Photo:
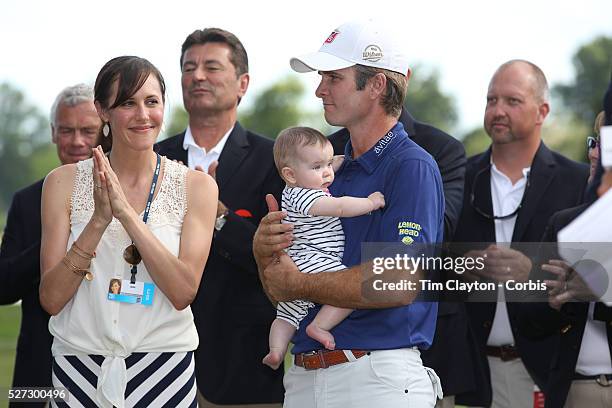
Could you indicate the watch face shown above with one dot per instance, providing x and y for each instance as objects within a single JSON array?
[{"x": 220, "y": 222}]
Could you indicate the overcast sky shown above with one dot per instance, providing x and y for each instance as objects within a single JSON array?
[{"x": 46, "y": 45}]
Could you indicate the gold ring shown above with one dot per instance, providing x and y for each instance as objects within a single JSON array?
[{"x": 98, "y": 186}]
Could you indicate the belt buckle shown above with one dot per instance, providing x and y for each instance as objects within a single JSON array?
[
  {"x": 603, "y": 381},
  {"x": 318, "y": 353},
  {"x": 504, "y": 353}
]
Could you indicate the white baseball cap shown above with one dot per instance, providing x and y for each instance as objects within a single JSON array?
[{"x": 358, "y": 42}]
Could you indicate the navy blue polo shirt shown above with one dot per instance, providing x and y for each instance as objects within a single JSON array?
[{"x": 411, "y": 183}]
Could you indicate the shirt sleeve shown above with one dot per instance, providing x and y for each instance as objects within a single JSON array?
[
  {"x": 302, "y": 199},
  {"x": 414, "y": 213}
]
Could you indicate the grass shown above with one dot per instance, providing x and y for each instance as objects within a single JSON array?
[{"x": 10, "y": 319}]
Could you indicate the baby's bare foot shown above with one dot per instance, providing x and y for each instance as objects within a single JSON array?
[
  {"x": 273, "y": 359},
  {"x": 322, "y": 336}
]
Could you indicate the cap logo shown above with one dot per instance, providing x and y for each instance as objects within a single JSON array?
[
  {"x": 372, "y": 53},
  {"x": 331, "y": 37}
]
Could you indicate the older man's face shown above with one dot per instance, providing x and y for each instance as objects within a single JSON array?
[
  {"x": 209, "y": 80},
  {"x": 75, "y": 131}
]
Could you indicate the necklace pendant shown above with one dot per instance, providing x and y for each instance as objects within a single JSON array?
[{"x": 131, "y": 255}]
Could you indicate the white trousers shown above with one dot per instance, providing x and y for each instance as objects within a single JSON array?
[{"x": 382, "y": 379}]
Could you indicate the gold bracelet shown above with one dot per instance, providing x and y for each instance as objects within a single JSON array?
[
  {"x": 77, "y": 250},
  {"x": 83, "y": 273}
]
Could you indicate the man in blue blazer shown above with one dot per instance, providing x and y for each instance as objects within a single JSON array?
[
  {"x": 74, "y": 129},
  {"x": 231, "y": 311}
]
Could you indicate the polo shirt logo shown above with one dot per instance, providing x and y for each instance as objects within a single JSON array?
[
  {"x": 408, "y": 231},
  {"x": 383, "y": 143},
  {"x": 407, "y": 240}
]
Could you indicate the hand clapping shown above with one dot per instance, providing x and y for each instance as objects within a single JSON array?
[
  {"x": 108, "y": 188},
  {"x": 102, "y": 206}
]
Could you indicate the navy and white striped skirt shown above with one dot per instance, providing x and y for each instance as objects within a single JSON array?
[{"x": 153, "y": 380}]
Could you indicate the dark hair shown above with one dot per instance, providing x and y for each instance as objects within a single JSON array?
[
  {"x": 395, "y": 92},
  {"x": 130, "y": 73},
  {"x": 238, "y": 55},
  {"x": 110, "y": 285}
]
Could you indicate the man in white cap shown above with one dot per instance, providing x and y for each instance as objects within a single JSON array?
[{"x": 364, "y": 77}]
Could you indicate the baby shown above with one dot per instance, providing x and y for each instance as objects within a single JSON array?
[{"x": 303, "y": 157}]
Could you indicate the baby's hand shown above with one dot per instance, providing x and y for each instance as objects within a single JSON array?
[{"x": 377, "y": 199}]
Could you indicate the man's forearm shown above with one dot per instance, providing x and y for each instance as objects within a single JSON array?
[{"x": 352, "y": 288}]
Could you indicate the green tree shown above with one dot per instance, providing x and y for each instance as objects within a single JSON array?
[
  {"x": 567, "y": 136},
  {"x": 43, "y": 159},
  {"x": 23, "y": 130},
  {"x": 275, "y": 108},
  {"x": 427, "y": 102},
  {"x": 584, "y": 94},
  {"x": 476, "y": 141},
  {"x": 179, "y": 119}
]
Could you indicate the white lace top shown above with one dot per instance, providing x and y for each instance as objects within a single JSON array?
[{"x": 92, "y": 324}]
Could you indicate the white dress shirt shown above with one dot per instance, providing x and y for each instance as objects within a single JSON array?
[
  {"x": 198, "y": 156},
  {"x": 594, "y": 356},
  {"x": 506, "y": 197}
]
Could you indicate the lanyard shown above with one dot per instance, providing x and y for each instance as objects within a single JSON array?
[{"x": 131, "y": 254}]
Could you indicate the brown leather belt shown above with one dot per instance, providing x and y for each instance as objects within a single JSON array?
[
  {"x": 506, "y": 353},
  {"x": 324, "y": 358}
]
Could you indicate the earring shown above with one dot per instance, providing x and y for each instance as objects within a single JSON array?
[{"x": 106, "y": 130}]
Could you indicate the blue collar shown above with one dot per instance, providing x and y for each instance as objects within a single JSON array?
[{"x": 370, "y": 159}]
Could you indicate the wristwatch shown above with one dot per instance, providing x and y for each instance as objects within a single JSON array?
[{"x": 221, "y": 220}]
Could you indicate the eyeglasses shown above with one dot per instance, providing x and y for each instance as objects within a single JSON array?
[
  {"x": 592, "y": 142},
  {"x": 493, "y": 216}
]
